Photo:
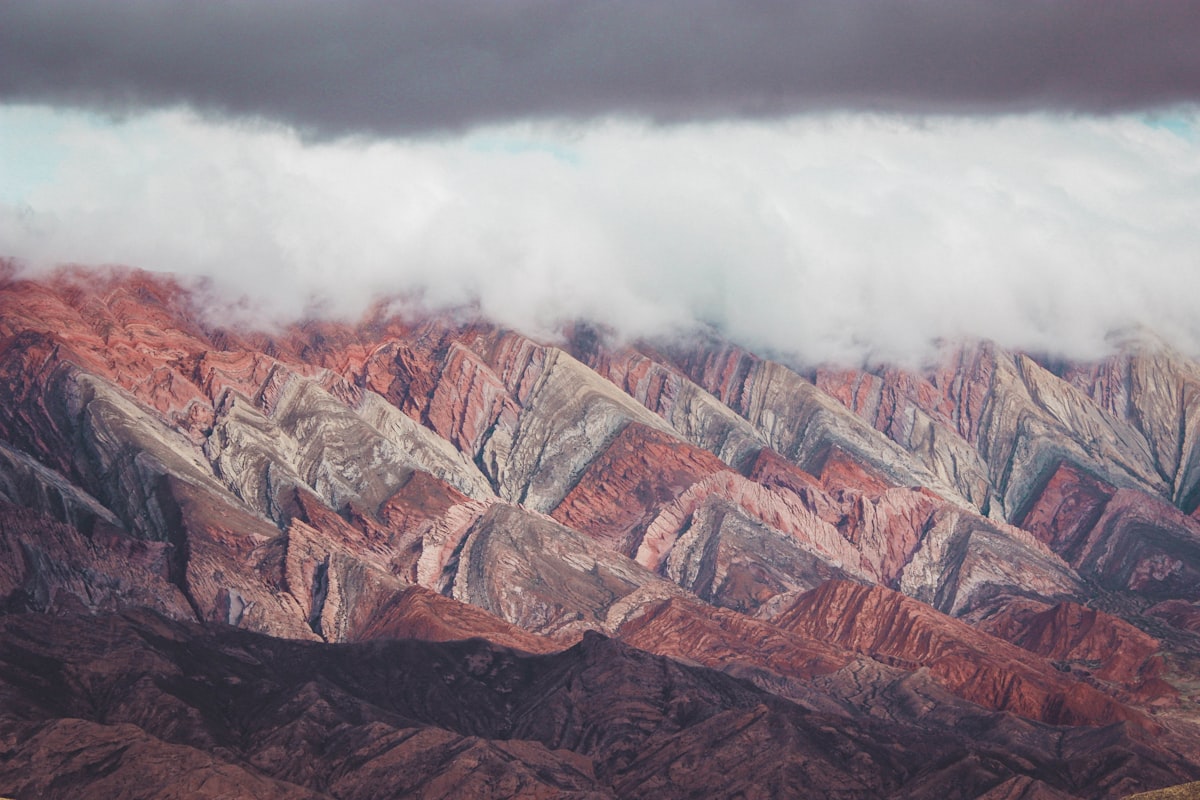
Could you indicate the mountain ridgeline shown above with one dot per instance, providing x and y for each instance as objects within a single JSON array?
[{"x": 434, "y": 558}]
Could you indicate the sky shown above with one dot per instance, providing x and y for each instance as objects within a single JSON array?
[{"x": 833, "y": 182}]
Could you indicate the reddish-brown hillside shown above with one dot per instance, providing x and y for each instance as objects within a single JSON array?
[{"x": 978, "y": 579}]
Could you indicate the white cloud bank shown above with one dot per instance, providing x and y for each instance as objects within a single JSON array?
[{"x": 842, "y": 237}]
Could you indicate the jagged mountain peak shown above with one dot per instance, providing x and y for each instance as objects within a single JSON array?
[{"x": 994, "y": 554}]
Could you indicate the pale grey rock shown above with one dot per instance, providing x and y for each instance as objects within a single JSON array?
[
  {"x": 783, "y": 512},
  {"x": 801, "y": 423},
  {"x": 1032, "y": 421},
  {"x": 948, "y": 456},
  {"x": 1158, "y": 390},
  {"x": 423, "y": 449},
  {"x": 963, "y": 559},
  {"x": 547, "y": 578},
  {"x": 696, "y": 415},
  {"x": 706, "y": 422},
  {"x": 127, "y": 451},
  {"x": 569, "y": 416},
  {"x": 729, "y": 559},
  {"x": 1106, "y": 439},
  {"x": 253, "y": 457},
  {"x": 337, "y": 454}
]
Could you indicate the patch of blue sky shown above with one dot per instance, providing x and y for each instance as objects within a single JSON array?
[
  {"x": 515, "y": 145},
  {"x": 1183, "y": 122}
]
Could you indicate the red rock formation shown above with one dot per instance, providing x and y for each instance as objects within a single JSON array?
[
  {"x": 898, "y": 630},
  {"x": 838, "y": 470},
  {"x": 885, "y": 523},
  {"x": 1089, "y": 641},
  {"x": 623, "y": 490},
  {"x": 302, "y": 482},
  {"x": 417, "y": 613},
  {"x": 1067, "y": 508},
  {"x": 721, "y": 639},
  {"x": 1124, "y": 538}
]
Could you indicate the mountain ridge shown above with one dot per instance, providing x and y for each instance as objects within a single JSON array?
[{"x": 988, "y": 546}]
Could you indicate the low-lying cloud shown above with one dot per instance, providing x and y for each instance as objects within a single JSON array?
[
  {"x": 837, "y": 237},
  {"x": 412, "y": 66}
]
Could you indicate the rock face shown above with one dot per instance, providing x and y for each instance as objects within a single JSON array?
[
  {"x": 144, "y": 707},
  {"x": 1018, "y": 419},
  {"x": 1083, "y": 638},
  {"x": 988, "y": 567},
  {"x": 895, "y": 629}
]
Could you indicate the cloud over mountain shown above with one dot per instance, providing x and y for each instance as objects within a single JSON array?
[{"x": 836, "y": 237}]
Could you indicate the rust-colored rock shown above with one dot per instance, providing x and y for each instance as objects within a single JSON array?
[
  {"x": 899, "y": 630},
  {"x": 623, "y": 490},
  {"x": 726, "y": 640},
  {"x": 360, "y": 481},
  {"x": 1088, "y": 640},
  {"x": 418, "y": 613},
  {"x": 1066, "y": 509}
]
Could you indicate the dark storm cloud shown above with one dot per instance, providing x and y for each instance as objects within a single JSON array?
[{"x": 407, "y": 67}]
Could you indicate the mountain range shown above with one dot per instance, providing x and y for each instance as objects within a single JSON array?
[{"x": 427, "y": 556}]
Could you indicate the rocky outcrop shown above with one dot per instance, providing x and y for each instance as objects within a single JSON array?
[
  {"x": 738, "y": 644},
  {"x": 729, "y": 557},
  {"x": 547, "y": 578},
  {"x": 569, "y": 417},
  {"x": 27, "y": 483},
  {"x": 965, "y": 561},
  {"x": 51, "y": 567},
  {"x": 97, "y": 701},
  {"x": 896, "y": 629},
  {"x": 623, "y": 490},
  {"x": 418, "y": 613},
  {"x": 446, "y": 479},
  {"x": 1019, "y": 419},
  {"x": 695, "y": 414},
  {"x": 1121, "y": 538},
  {"x": 1158, "y": 391},
  {"x": 801, "y": 422},
  {"x": 911, "y": 412},
  {"x": 1085, "y": 640}
]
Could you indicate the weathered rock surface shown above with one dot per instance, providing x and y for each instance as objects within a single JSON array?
[
  {"x": 418, "y": 613},
  {"x": 445, "y": 479},
  {"x": 1020, "y": 420},
  {"x": 623, "y": 490},
  {"x": 1084, "y": 639},
  {"x": 102, "y": 699},
  {"x": 896, "y": 629},
  {"x": 48, "y": 566},
  {"x": 1121, "y": 538},
  {"x": 799, "y": 421},
  {"x": 547, "y": 578},
  {"x": 698, "y": 416},
  {"x": 1158, "y": 391}
]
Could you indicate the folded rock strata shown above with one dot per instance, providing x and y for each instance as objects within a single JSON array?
[{"x": 989, "y": 566}]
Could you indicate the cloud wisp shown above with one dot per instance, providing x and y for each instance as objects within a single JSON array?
[
  {"x": 843, "y": 237},
  {"x": 414, "y": 67}
]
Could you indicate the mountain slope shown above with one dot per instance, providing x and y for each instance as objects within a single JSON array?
[{"x": 998, "y": 555}]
